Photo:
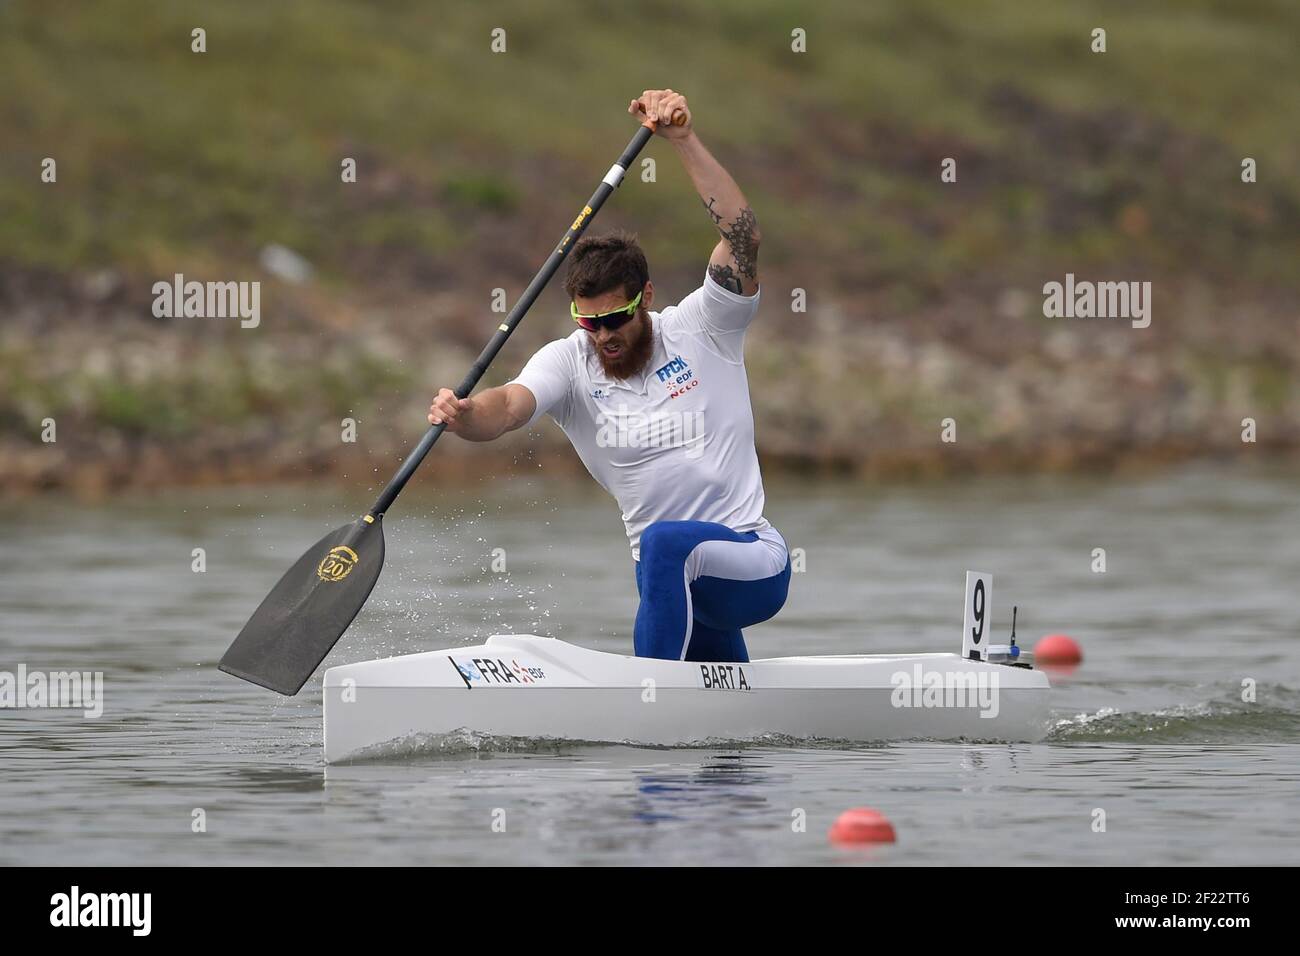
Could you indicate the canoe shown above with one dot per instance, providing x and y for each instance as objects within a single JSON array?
[{"x": 527, "y": 686}]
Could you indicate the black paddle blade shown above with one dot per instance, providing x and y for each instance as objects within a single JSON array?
[{"x": 309, "y": 609}]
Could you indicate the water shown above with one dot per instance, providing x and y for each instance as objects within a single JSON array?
[{"x": 1198, "y": 597}]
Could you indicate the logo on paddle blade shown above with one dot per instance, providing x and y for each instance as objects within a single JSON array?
[{"x": 338, "y": 564}]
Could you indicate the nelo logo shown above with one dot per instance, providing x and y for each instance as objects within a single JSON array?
[{"x": 338, "y": 564}]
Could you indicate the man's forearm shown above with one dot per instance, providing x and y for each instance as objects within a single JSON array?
[
  {"x": 729, "y": 210},
  {"x": 718, "y": 191},
  {"x": 489, "y": 419}
]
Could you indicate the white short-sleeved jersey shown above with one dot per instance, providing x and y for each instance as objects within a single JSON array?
[{"x": 676, "y": 443}]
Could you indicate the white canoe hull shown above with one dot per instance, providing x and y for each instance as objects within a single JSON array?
[{"x": 537, "y": 687}]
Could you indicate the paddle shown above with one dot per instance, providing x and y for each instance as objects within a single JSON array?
[{"x": 312, "y": 605}]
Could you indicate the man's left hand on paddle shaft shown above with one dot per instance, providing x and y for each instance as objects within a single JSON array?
[{"x": 661, "y": 106}]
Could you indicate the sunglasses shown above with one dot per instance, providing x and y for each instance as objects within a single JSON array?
[{"x": 610, "y": 320}]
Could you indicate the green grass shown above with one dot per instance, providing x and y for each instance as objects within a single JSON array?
[{"x": 168, "y": 155}]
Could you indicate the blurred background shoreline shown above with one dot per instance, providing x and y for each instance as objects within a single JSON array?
[{"x": 924, "y": 299}]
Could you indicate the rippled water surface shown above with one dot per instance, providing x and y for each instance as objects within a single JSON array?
[{"x": 1197, "y": 605}]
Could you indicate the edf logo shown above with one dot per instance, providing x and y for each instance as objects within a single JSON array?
[{"x": 678, "y": 364}]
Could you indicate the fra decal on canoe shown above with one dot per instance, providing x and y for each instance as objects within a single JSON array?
[{"x": 495, "y": 670}]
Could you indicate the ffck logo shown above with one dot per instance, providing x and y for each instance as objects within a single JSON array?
[
  {"x": 675, "y": 367},
  {"x": 677, "y": 376},
  {"x": 77, "y": 909}
]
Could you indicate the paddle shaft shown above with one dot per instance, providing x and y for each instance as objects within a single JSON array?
[{"x": 607, "y": 186}]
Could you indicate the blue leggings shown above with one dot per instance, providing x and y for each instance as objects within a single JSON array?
[{"x": 700, "y": 583}]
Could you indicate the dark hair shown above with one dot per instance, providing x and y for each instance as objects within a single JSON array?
[{"x": 599, "y": 264}]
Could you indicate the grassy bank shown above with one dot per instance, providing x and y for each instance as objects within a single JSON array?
[{"x": 923, "y": 297}]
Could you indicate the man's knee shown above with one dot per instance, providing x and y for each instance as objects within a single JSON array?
[{"x": 726, "y": 604}]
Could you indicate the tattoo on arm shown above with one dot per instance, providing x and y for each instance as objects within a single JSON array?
[
  {"x": 742, "y": 238},
  {"x": 726, "y": 277},
  {"x": 716, "y": 217}
]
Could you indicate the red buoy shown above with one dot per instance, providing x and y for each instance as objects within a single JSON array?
[
  {"x": 1057, "y": 649},
  {"x": 862, "y": 825}
]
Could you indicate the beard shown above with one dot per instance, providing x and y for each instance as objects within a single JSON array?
[{"x": 637, "y": 339}]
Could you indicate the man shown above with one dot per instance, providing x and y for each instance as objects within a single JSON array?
[{"x": 657, "y": 406}]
